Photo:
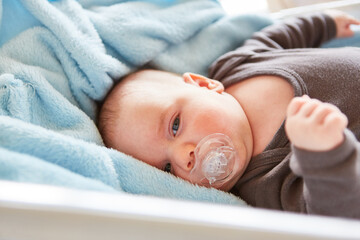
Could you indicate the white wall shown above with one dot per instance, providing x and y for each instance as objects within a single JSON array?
[
  {"x": 243, "y": 7},
  {"x": 276, "y": 5}
]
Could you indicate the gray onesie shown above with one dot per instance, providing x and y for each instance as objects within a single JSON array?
[{"x": 283, "y": 177}]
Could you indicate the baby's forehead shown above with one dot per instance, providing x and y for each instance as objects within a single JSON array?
[
  {"x": 153, "y": 79},
  {"x": 146, "y": 84}
]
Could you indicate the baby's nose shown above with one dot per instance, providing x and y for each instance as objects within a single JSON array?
[
  {"x": 185, "y": 158},
  {"x": 191, "y": 161}
]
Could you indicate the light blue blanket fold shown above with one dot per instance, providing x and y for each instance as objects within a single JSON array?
[{"x": 59, "y": 58}]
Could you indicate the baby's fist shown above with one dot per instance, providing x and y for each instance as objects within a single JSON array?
[
  {"x": 343, "y": 21},
  {"x": 313, "y": 125}
]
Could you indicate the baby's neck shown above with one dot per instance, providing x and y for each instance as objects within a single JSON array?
[{"x": 264, "y": 100}]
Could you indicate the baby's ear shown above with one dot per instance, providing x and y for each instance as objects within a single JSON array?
[{"x": 201, "y": 81}]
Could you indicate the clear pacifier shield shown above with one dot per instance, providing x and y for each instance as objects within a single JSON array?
[{"x": 214, "y": 160}]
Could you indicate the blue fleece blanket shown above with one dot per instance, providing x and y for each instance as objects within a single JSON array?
[{"x": 59, "y": 58}]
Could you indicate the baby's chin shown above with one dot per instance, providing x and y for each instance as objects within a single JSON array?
[
  {"x": 226, "y": 187},
  {"x": 234, "y": 177}
]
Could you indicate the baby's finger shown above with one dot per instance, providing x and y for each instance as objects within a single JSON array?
[
  {"x": 294, "y": 106},
  {"x": 346, "y": 31},
  {"x": 308, "y": 107},
  {"x": 337, "y": 119},
  {"x": 322, "y": 112},
  {"x": 354, "y": 21}
]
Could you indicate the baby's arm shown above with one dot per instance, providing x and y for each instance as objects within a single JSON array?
[
  {"x": 307, "y": 31},
  {"x": 313, "y": 125},
  {"x": 343, "y": 22},
  {"x": 326, "y": 155}
]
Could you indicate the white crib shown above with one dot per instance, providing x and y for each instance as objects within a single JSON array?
[{"x": 40, "y": 212}]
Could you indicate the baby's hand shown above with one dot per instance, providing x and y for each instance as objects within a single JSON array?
[
  {"x": 343, "y": 22},
  {"x": 313, "y": 125}
]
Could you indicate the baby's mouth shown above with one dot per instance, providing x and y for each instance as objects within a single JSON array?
[{"x": 214, "y": 160}]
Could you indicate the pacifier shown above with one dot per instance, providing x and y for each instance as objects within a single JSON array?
[{"x": 214, "y": 160}]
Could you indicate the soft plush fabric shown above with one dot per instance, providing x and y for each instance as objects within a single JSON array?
[{"x": 58, "y": 59}]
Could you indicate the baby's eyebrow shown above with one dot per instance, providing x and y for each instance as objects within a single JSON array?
[{"x": 161, "y": 125}]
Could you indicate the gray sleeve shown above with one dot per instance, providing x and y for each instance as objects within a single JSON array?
[
  {"x": 331, "y": 179},
  {"x": 302, "y": 32}
]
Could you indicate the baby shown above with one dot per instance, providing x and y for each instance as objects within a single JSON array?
[{"x": 167, "y": 120}]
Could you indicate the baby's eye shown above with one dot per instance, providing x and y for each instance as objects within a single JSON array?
[
  {"x": 167, "y": 168},
  {"x": 175, "y": 125}
]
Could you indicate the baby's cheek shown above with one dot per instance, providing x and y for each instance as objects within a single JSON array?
[{"x": 211, "y": 122}]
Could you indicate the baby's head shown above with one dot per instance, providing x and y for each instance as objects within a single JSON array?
[{"x": 160, "y": 117}]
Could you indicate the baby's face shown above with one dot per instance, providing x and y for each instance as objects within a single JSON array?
[{"x": 162, "y": 123}]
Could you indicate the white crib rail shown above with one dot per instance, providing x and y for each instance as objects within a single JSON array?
[
  {"x": 40, "y": 212},
  {"x": 350, "y": 6}
]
